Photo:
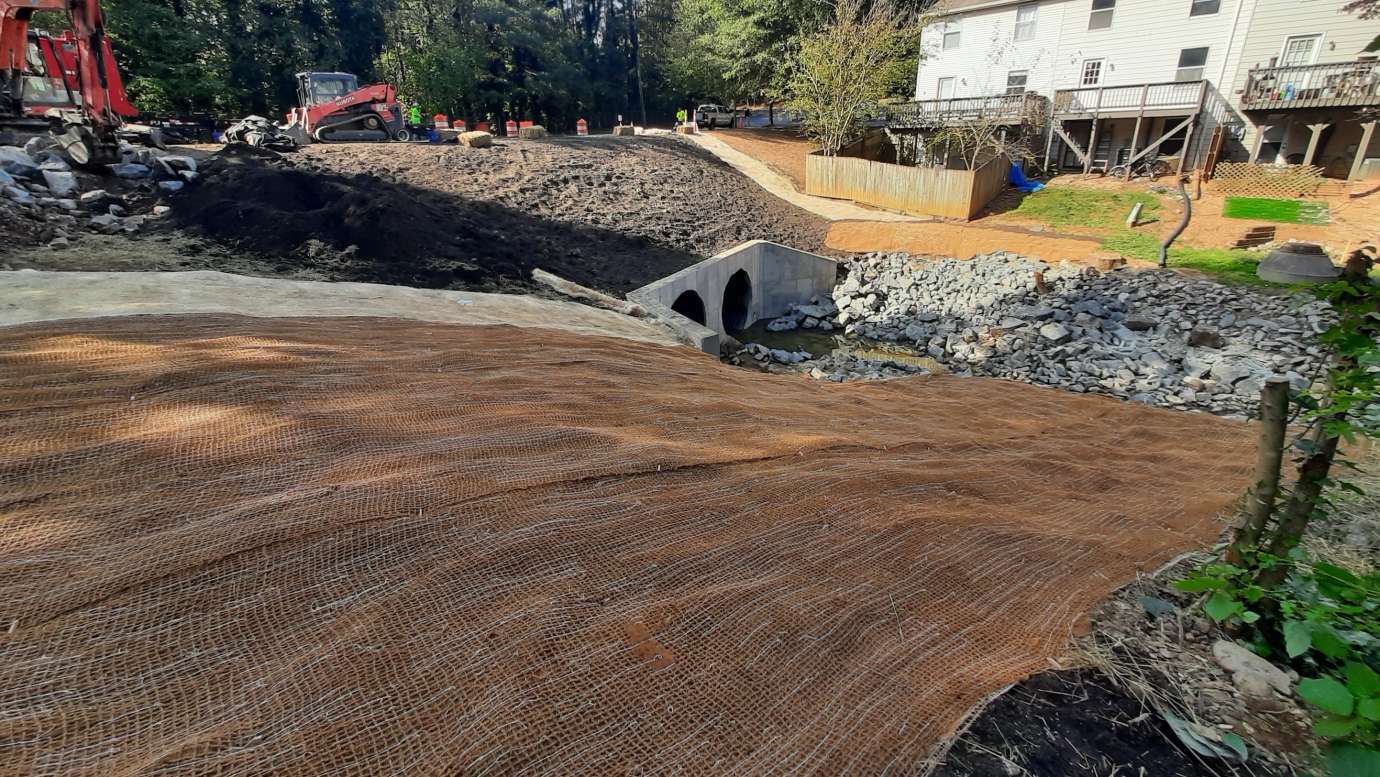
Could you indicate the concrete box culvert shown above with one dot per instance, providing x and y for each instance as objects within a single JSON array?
[{"x": 749, "y": 282}]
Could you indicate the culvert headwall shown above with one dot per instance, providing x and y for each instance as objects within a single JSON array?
[{"x": 758, "y": 279}]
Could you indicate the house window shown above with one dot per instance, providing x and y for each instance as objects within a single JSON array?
[
  {"x": 1299, "y": 50},
  {"x": 1092, "y": 72},
  {"x": 946, "y": 88},
  {"x": 1015, "y": 81},
  {"x": 1191, "y": 62},
  {"x": 1101, "y": 16},
  {"x": 1204, "y": 7},
  {"x": 1025, "y": 21},
  {"x": 951, "y": 39}
]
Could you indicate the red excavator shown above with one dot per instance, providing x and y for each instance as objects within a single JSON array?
[
  {"x": 67, "y": 85},
  {"x": 333, "y": 106}
]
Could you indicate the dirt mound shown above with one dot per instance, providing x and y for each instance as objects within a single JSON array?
[
  {"x": 372, "y": 546},
  {"x": 358, "y": 227},
  {"x": 610, "y": 218}
]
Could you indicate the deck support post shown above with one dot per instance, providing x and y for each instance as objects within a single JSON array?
[
  {"x": 1316, "y": 130},
  {"x": 1135, "y": 134},
  {"x": 1260, "y": 130},
  {"x": 1367, "y": 130},
  {"x": 1092, "y": 134}
]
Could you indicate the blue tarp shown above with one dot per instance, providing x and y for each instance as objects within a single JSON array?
[{"x": 1018, "y": 180}]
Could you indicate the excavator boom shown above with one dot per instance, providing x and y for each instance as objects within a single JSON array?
[{"x": 81, "y": 61}]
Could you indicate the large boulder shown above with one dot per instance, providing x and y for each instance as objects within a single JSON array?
[
  {"x": 60, "y": 183},
  {"x": 533, "y": 132},
  {"x": 17, "y": 162},
  {"x": 1252, "y": 675},
  {"x": 622, "y": 131},
  {"x": 130, "y": 170},
  {"x": 19, "y": 195}
]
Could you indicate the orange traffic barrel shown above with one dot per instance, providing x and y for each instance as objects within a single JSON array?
[
  {"x": 510, "y": 128},
  {"x": 581, "y": 127},
  {"x": 441, "y": 121}
]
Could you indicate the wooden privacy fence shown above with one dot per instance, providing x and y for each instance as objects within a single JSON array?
[
  {"x": 922, "y": 191},
  {"x": 1267, "y": 180}
]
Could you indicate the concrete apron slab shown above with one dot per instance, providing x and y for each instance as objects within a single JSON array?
[
  {"x": 774, "y": 182},
  {"x": 731, "y": 290},
  {"x": 28, "y": 296}
]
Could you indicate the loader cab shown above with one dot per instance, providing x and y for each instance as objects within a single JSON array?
[{"x": 319, "y": 88}]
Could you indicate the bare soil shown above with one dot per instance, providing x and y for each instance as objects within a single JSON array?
[
  {"x": 610, "y": 213},
  {"x": 944, "y": 238},
  {"x": 783, "y": 150}
]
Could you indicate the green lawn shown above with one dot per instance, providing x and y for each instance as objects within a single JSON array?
[
  {"x": 1280, "y": 211},
  {"x": 1067, "y": 206},
  {"x": 1233, "y": 266}
]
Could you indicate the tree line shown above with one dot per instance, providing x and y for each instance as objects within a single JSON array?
[{"x": 552, "y": 61}]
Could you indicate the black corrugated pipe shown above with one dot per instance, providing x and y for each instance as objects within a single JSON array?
[{"x": 1183, "y": 222}]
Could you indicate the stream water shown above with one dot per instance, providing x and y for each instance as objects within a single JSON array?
[{"x": 818, "y": 343}]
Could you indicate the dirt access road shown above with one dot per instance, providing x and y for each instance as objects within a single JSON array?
[{"x": 611, "y": 213}]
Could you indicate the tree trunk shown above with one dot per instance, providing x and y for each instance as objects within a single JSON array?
[
  {"x": 1274, "y": 414},
  {"x": 1302, "y": 507},
  {"x": 1306, "y": 502}
]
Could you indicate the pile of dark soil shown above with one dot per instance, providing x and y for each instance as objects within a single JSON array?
[
  {"x": 1076, "y": 724},
  {"x": 459, "y": 217}
]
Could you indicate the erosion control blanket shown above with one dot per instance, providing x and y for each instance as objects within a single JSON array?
[{"x": 242, "y": 546}]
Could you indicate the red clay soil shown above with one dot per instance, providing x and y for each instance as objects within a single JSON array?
[
  {"x": 373, "y": 546},
  {"x": 947, "y": 238}
]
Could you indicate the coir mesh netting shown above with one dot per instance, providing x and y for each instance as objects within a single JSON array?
[{"x": 242, "y": 546}]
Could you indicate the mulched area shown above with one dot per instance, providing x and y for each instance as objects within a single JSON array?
[{"x": 1076, "y": 723}]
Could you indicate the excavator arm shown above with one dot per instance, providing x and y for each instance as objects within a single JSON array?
[{"x": 86, "y": 131}]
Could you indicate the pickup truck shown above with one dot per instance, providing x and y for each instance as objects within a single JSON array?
[{"x": 714, "y": 116}]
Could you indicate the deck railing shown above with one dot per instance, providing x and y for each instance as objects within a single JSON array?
[
  {"x": 1313, "y": 86},
  {"x": 1121, "y": 99},
  {"x": 1016, "y": 108}
]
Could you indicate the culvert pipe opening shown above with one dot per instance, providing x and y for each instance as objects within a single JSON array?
[
  {"x": 737, "y": 301},
  {"x": 690, "y": 305}
]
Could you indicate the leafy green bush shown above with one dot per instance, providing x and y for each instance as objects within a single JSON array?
[
  {"x": 1325, "y": 620},
  {"x": 1320, "y": 617}
]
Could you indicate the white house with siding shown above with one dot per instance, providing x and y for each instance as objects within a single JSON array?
[
  {"x": 1120, "y": 75},
  {"x": 1303, "y": 68}
]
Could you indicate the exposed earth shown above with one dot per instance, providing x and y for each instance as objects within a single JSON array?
[
  {"x": 611, "y": 213},
  {"x": 616, "y": 213}
]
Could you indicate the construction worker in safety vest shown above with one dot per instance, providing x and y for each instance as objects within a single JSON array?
[
  {"x": 414, "y": 115},
  {"x": 680, "y": 116}
]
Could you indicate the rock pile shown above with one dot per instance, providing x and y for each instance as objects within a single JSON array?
[
  {"x": 1148, "y": 336},
  {"x": 836, "y": 367},
  {"x": 40, "y": 189}
]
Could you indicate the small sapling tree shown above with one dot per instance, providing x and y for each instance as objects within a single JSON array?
[{"x": 842, "y": 71}]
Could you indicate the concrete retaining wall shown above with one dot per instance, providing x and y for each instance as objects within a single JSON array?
[{"x": 780, "y": 276}]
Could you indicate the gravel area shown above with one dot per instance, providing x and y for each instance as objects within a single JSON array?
[{"x": 1154, "y": 337}]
